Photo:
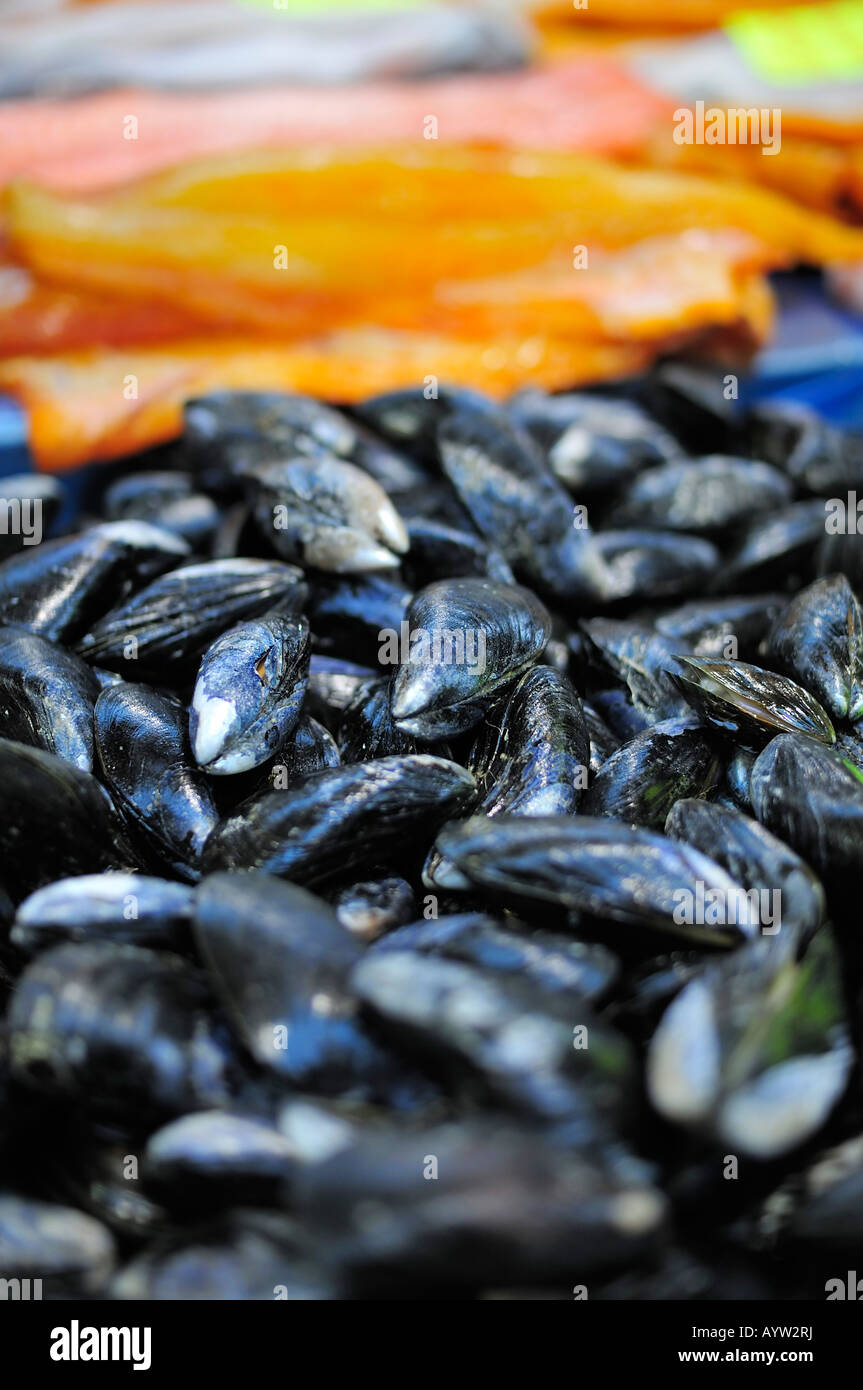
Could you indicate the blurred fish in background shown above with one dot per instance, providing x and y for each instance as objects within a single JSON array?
[
  {"x": 190, "y": 45},
  {"x": 340, "y": 198}
]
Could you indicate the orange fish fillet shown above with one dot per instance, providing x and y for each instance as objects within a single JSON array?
[
  {"x": 659, "y": 286},
  {"x": 36, "y": 318},
  {"x": 219, "y": 265},
  {"x": 654, "y": 14},
  {"x": 88, "y": 406}
]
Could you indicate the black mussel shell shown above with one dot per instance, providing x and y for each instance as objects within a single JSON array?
[
  {"x": 532, "y": 756},
  {"x": 755, "y": 1051},
  {"x": 812, "y": 798},
  {"x": 594, "y": 866},
  {"x": 641, "y": 781},
  {"x": 248, "y": 694},
  {"x": 61, "y": 587},
  {"x": 332, "y": 822},
  {"x": 790, "y": 896},
  {"x": 47, "y": 695},
  {"x": 163, "y": 631},
  {"x": 701, "y": 495},
  {"x": 464, "y": 639},
  {"x": 126, "y": 908},
  {"x": 328, "y": 514},
  {"x": 146, "y": 761},
  {"x": 280, "y": 961},
  {"x": 746, "y": 700},
  {"x": 818, "y": 640},
  {"x": 117, "y": 1027},
  {"x": 515, "y": 501},
  {"x": 550, "y": 960},
  {"x": 54, "y": 820}
]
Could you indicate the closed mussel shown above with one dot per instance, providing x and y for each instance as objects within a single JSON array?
[
  {"x": 818, "y": 640},
  {"x": 146, "y": 761},
  {"x": 336, "y": 820},
  {"x": 249, "y": 693},
  {"x": 465, "y": 639},
  {"x": 164, "y": 630},
  {"x": 47, "y": 696}
]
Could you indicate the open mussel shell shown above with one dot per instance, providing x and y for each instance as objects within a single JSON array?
[
  {"x": 787, "y": 893},
  {"x": 596, "y": 867},
  {"x": 812, "y": 798},
  {"x": 280, "y": 961},
  {"x": 129, "y": 908},
  {"x": 701, "y": 495},
  {"x": 54, "y": 820},
  {"x": 47, "y": 696},
  {"x": 61, "y": 587},
  {"x": 118, "y": 1027},
  {"x": 334, "y": 821},
  {"x": 641, "y": 781},
  {"x": 164, "y": 630},
  {"x": 755, "y": 1051},
  {"x": 465, "y": 638},
  {"x": 146, "y": 761},
  {"x": 248, "y": 693},
  {"x": 818, "y": 640},
  {"x": 328, "y": 514},
  {"x": 745, "y": 700},
  {"x": 514, "y": 1040}
]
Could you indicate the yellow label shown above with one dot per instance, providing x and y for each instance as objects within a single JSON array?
[{"x": 809, "y": 43}]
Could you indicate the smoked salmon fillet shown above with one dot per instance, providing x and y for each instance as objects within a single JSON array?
[{"x": 103, "y": 141}]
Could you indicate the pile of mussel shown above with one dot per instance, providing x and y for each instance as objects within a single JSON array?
[{"x": 430, "y": 847}]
